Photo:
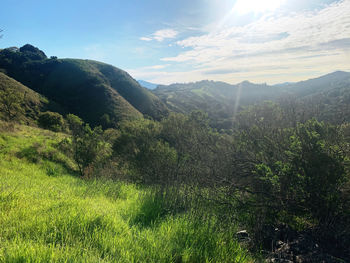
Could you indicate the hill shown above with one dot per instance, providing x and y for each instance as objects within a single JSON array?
[
  {"x": 219, "y": 99},
  {"x": 222, "y": 100},
  {"x": 97, "y": 92},
  {"x": 325, "y": 83}
]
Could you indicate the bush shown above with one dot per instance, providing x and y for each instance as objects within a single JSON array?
[
  {"x": 51, "y": 120},
  {"x": 296, "y": 179},
  {"x": 151, "y": 159}
]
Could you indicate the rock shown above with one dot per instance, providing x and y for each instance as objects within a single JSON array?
[{"x": 242, "y": 235}]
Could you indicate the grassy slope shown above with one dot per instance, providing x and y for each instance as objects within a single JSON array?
[
  {"x": 138, "y": 96},
  {"x": 33, "y": 101},
  {"x": 80, "y": 87},
  {"x": 48, "y": 215}
]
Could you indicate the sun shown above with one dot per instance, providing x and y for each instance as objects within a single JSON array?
[{"x": 256, "y": 6}]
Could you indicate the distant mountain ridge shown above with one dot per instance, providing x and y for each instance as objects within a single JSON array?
[
  {"x": 147, "y": 84},
  {"x": 222, "y": 100},
  {"x": 97, "y": 92}
]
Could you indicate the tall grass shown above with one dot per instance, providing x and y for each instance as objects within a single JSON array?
[{"x": 48, "y": 215}]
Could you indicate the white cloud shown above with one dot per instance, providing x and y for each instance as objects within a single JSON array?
[
  {"x": 157, "y": 67},
  {"x": 161, "y": 35},
  {"x": 274, "y": 49},
  {"x": 146, "y": 38}
]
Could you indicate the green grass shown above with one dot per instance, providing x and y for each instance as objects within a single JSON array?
[
  {"x": 49, "y": 215},
  {"x": 32, "y": 102}
]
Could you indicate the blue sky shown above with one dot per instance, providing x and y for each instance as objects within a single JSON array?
[{"x": 181, "y": 41}]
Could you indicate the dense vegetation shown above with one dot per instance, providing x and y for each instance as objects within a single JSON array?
[{"x": 272, "y": 171}]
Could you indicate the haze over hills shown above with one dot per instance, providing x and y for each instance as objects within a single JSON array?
[
  {"x": 222, "y": 100},
  {"x": 89, "y": 89},
  {"x": 147, "y": 84}
]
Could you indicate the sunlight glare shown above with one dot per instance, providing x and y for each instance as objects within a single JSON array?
[{"x": 256, "y": 6}]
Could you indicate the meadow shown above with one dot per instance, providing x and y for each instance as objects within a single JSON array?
[{"x": 49, "y": 214}]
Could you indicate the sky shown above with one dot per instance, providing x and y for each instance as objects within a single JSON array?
[{"x": 179, "y": 41}]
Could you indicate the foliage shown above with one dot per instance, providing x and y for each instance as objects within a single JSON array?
[
  {"x": 88, "y": 145},
  {"x": 10, "y": 103},
  {"x": 296, "y": 173},
  {"x": 51, "y": 120},
  {"x": 152, "y": 160},
  {"x": 305, "y": 180}
]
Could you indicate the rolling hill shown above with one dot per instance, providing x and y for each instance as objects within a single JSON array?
[
  {"x": 97, "y": 92},
  {"x": 222, "y": 100}
]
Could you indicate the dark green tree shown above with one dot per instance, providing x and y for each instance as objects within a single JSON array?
[
  {"x": 51, "y": 121},
  {"x": 88, "y": 145},
  {"x": 10, "y": 103}
]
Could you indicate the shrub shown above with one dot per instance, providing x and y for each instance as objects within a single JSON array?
[
  {"x": 151, "y": 159},
  {"x": 51, "y": 120}
]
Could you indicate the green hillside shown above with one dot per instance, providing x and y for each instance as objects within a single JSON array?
[
  {"x": 32, "y": 102},
  {"x": 99, "y": 93},
  {"x": 48, "y": 214}
]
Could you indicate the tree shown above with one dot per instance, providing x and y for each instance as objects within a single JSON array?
[
  {"x": 88, "y": 145},
  {"x": 10, "y": 103}
]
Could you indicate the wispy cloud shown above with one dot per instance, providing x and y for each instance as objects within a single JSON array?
[
  {"x": 271, "y": 48},
  {"x": 146, "y": 38},
  {"x": 310, "y": 29},
  {"x": 161, "y": 35},
  {"x": 157, "y": 67}
]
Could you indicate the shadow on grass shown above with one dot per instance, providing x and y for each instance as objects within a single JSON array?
[{"x": 39, "y": 153}]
